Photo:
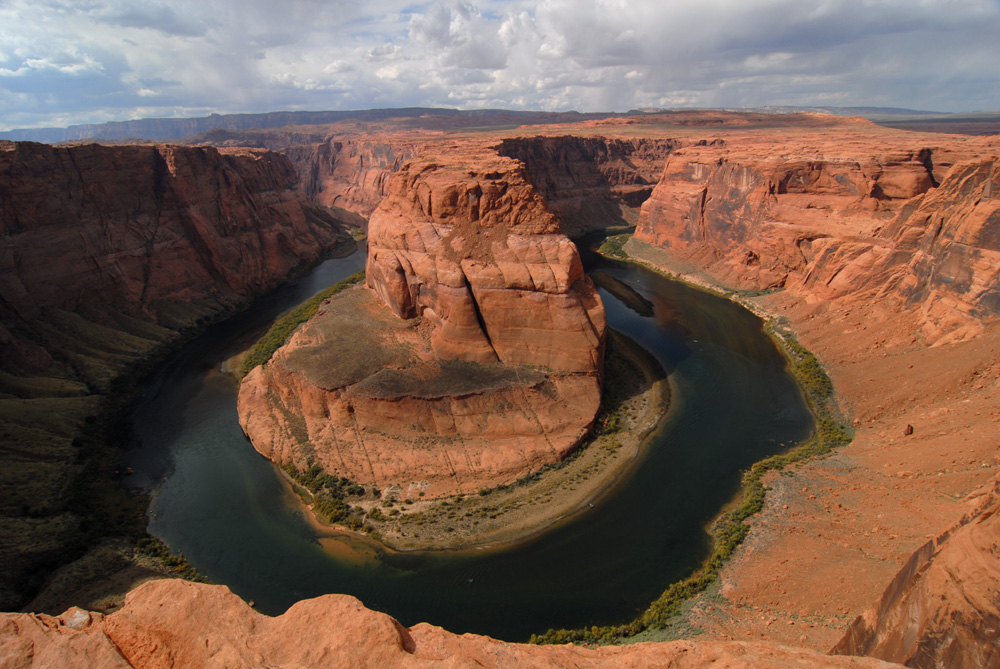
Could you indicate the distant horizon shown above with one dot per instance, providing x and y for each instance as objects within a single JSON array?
[
  {"x": 83, "y": 62},
  {"x": 871, "y": 109}
]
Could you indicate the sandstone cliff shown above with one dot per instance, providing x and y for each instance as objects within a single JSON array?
[
  {"x": 943, "y": 607},
  {"x": 338, "y": 167},
  {"x": 171, "y": 623},
  {"x": 106, "y": 255},
  {"x": 138, "y": 229},
  {"x": 481, "y": 364},
  {"x": 591, "y": 182},
  {"x": 907, "y": 227}
]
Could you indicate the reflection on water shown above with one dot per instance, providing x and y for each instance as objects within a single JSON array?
[{"x": 226, "y": 509}]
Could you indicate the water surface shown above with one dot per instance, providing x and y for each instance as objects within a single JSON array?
[{"x": 226, "y": 509}]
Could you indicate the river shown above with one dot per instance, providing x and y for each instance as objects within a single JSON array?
[{"x": 225, "y": 508}]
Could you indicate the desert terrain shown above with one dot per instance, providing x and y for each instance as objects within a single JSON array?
[{"x": 878, "y": 248}]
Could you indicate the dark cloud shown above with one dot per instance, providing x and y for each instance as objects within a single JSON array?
[{"x": 152, "y": 17}]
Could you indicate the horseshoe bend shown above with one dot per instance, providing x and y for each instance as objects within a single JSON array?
[
  {"x": 473, "y": 358},
  {"x": 474, "y": 354}
]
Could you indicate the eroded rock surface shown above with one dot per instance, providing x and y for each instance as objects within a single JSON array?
[
  {"x": 894, "y": 225},
  {"x": 172, "y": 623},
  {"x": 106, "y": 255},
  {"x": 943, "y": 607},
  {"x": 480, "y": 362}
]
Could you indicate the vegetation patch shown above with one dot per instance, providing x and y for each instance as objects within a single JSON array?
[
  {"x": 326, "y": 495},
  {"x": 153, "y": 548},
  {"x": 278, "y": 333},
  {"x": 613, "y": 246},
  {"x": 732, "y": 528}
]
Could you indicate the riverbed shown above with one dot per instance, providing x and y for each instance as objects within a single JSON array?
[{"x": 227, "y": 510}]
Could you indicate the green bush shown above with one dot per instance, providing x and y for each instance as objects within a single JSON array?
[
  {"x": 327, "y": 495},
  {"x": 612, "y": 246},
  {"x": 152, "y": 547}
]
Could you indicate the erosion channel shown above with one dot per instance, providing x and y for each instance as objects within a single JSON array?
[{"x": 228, "y": 511}]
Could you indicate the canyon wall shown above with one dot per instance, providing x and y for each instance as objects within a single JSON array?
[
  {"x": 591, "y": 182},
  {"x": 107, "y": 255},
  {"x": 908, "y": 227},
  {"x": 336, "y": 168},
  {"x": 482, "y": 347},
  {"x": 877, "y": 249}
]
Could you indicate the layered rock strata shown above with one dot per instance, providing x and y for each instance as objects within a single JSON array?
[
  {"x": 106, "y": 255},
  {"x": 172, "y": 623},
  {"x": 473, "y": 358},
  {"x": 591, "y": 182},
  {"x": 909, "y": 227}
]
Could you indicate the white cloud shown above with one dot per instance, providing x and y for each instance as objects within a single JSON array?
[{"x": 91, "y": 60}]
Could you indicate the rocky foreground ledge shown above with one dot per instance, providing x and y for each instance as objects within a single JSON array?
[
  {"x": 940, "y": 610},
  {"x": 473, "y": 358},
  {"x": 171, "y": 623}
]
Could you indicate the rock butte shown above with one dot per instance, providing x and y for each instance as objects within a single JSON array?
[
  {"x": 882, "y": 244},
  {"x": 494, "y": 369}
]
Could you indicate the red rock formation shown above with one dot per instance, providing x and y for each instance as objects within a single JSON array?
[
  {"x": 107, "y": 254},
  {"x": 141, "y": 228},
  {"x": 591, "y": 182},
  {"x": 941, "y": 252},
  {"x": 172, "y": 623},
  {"x": 943, "y": 608},
  {"x": 495, "y": 369},
  {"x": 353, "y": 173},
  {"x": 881, "y": 242},
  {"x": 338, "y": 165},
  {"x": 472, "y": 248},
  {"x": 836, "y": 226}
]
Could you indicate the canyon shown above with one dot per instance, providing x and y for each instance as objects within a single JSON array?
[
  {"x": 876, "y": 247},
  {"x": 108, "y": 256}
]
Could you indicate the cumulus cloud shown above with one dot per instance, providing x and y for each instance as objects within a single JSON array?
[{"x": 92, "y": 60}]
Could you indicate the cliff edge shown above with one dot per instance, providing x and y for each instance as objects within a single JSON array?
[{"x": 172, "y": 623}]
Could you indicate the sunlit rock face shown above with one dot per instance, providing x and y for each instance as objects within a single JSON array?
[
  {"x": 473, "y": 358},
  {"x": 904, "y": 227}
]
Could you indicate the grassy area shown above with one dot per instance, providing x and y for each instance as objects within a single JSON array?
[
  {"x": 326, "y": 495},
  {"x": 613, "y": 246},
  {"x": 278, "y": 334},
  {"x": 731, "y": 529}
]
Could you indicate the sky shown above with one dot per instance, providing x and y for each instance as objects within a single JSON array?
[{"x": 64, "y": 62}]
